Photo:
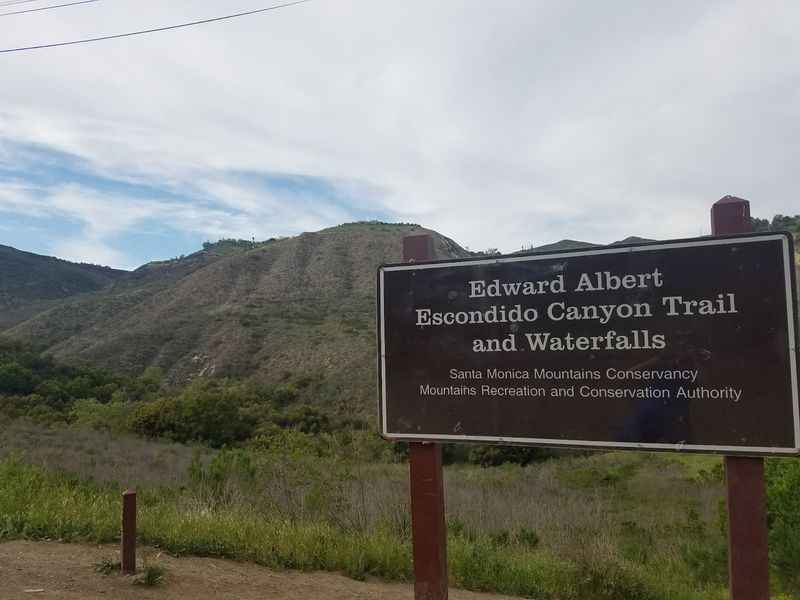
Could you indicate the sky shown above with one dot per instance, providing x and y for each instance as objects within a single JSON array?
[{"x": 500, "y": 124}]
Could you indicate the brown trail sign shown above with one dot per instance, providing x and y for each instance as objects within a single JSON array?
[
  {"x": 678, "y": 345},
  {"x": 685, "y": 345}
]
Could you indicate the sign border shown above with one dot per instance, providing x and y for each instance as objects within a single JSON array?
[{"x": 792, "y": 325}]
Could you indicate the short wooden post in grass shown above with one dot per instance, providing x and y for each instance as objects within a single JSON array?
[
  {"x": 428, "y": 528},
  {"x": 129, "y": 532},
  {"x": 748, "y": 563}
]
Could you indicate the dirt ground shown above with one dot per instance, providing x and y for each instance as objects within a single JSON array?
[{"x": 39, "y": 570}]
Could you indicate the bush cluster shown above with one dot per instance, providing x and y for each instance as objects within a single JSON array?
[
  {"x": 215, "y": 412},
  {"x": 778, "y": 223},
  {"x": 783, "y": 517}
]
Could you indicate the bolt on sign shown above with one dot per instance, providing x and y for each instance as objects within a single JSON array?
[{"x": 681, "y": 345}]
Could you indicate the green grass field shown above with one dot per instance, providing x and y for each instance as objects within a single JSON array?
[
  {"x": 610, "y": 525},
  {"x": 598, "y": 526}
]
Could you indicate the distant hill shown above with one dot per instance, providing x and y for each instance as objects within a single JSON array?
[
  {"x": 297, "y": 310},
  {"x": 578, "y": 245},
  {"x": 633, "y": 239},
  {"x": 30, "y": 283},
  {"x": 562, "y": 245}
]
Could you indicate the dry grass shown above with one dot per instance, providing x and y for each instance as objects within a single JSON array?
[
  {"x": 100, "y": 455},
  {"x": 617, "y": 511},
  {"x": 561, "y": 499}
]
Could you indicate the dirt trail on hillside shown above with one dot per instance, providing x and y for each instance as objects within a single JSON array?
[{"x": 45, "y": 570}]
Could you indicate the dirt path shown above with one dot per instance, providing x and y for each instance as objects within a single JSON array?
[{"x": 39, "y": 570}]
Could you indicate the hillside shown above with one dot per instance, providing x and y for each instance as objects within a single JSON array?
[
  {"x": 30, "y": 283},
  {"x": 298, "y": 310},
  {"x": 294, "y": 310}
]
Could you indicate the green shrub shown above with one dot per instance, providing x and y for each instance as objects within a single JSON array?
[
  {"x": 108, "y": 566},
  {"x": 715, "y": 474},
  {"x": 500, "y": 538},
  {"x": 287, "y": 442},
  {"x": 151, "y": 576},
  {"x": 212, "y": 415},
  {"x": 50, "y": 389},
  {"x": 204, "y": 412},
  {"x": 592, "y": 475},
  {"x": 92, "y": 414},
  {"x": 527, "y": 537},
  {"x": 228, "y": 473},
  {"x": 159, "y": 418},
  {"x": 306, "y": 419},
  {"x": 783, "y": 501},
  {"x": 612, "y": 581},
  {"x": 704, "y": 550},
  {"x": 455, "y": 527},
  {"x": 636, "y": 542},
  {"x": 16, "y": 379},
  {"x": 487, "y": 455}
]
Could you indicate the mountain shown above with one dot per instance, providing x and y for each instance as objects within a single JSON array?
[
  {"x": 296, "y": 310},
  {"x": 30, "y": 283},
  {"x": 633, "y": 239}
]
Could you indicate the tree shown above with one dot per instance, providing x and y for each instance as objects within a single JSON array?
[
  {"x": 306, "y": 419},
  {"x": 203, "y": 412},
  {"x": 16, "y": 379}
]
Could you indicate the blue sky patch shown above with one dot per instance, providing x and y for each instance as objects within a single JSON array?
[{"x": 55, "y": 203}]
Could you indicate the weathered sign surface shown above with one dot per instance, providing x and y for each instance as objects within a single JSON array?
[{"x": 681, "y": 345}]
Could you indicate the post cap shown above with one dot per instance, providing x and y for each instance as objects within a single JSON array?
[
  {"x": 730, "y": 214},
  {"x": 731, "y": 200}
]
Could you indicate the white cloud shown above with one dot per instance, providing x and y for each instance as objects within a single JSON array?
[
  {"x": 238, "y": 210},
  {"x": 498, "y": 124},
  {"x": 94, "y": 251},
  {"x": 20, "y": 198}
]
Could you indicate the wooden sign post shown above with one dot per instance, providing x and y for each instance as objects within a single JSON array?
[
  {"x": 428, "y": 527},
  {"x": 748, "y": 565},
  {"x": 129, "y": 532}
]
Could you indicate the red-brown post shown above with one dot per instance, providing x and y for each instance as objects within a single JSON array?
[
  {"x": 428, "y": 528},
  {"x": 748, "y": 558},
  {"x": 129, "y": 532}
]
